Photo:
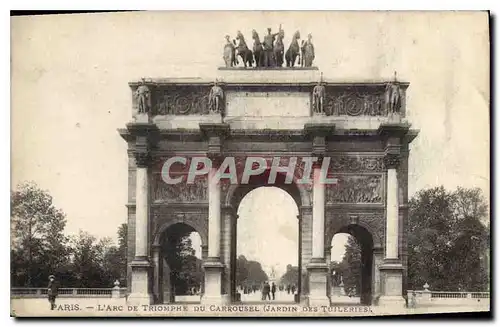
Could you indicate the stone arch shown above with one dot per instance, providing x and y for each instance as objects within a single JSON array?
[
  {"x": 343, "y": 225},
  {"x": 197, "y": 227},
  {"x": 301, "y": 193},
  {"x": 361, "y": 232}
]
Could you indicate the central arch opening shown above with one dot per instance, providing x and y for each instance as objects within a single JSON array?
[{"x": 266, "y": 247}]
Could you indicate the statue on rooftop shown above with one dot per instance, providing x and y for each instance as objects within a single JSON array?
[
  {"x": 258, "y": 49},
  {"x": 307, "y": 52},
  {"x": 215, "y": 98},
  {"x": 279, "y": 48},
  {"x": 229, "y": 53},
  {"x": 293, "y": 50},
  {"x": 243, "y": 51},
  {"x": 143, "y": 97},
  {"x": 269, "y": 59}
]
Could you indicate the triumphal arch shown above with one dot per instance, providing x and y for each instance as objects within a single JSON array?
[{"x": 358, "y": 129}]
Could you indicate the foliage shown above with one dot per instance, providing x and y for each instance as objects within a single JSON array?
[
  {"x": 39, "y": 248},
  {"x": 448, "y": 242},
  {"x": 350, "y": 267},
  {"x": 37, "y": 239},
  {"x": 291, "y": 276},
  {"x": 185, "y": 268},
  {"x": 249, "y": 273}
]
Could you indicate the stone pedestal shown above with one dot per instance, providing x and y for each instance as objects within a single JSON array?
[
  {"x": 213, "y": 282},
  {"x": 140, "y": 279},
  {"x": 318, "y": 271},
  {"x": 391, "y": 285}
]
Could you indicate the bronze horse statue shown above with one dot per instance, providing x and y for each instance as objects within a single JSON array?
[
  {"x": 257, "y": 49},
  {"x": 243, "y": 51},
  {"x": 279, "y": 48},
  {"x": 293, "y": 50}
]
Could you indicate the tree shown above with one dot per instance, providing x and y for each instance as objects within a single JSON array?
[
  {"x": 249, "y": 273},
  {"x": 448, "y": 240},
  {"x": 429, "y": 238},
  {"x": 38, "y": 243},
  {"x": 291, "y": 276},
  {"x": 88, "y": 264},
  {"x": 119, "y": 257},
  {"x": 185, "y": 268},
  {"x": 351, "y": 275}
]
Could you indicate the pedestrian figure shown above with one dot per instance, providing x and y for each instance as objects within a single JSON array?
[
  {"x": 413, "y": 300},
  {"x": 288, "y": 288},
  {"x": 52, "y": 291},
  {"x": 293, "y": 289},
  {"x": 273, "y": 290},
  {"x": 267, "y": 291}
]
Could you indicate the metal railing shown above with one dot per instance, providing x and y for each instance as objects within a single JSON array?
[{"x": 69, "y": 292}]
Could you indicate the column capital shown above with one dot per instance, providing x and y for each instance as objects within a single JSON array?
[
  {"x": 318, "y": 133},
  {"x": 227, "y": 209},
  {"x": 392, "y": 160},
  {"x": 215, "y": 133},
  {"x": 142, "y": 158}
]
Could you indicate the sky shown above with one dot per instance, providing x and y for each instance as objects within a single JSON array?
[{"x": 70, "y": 93}]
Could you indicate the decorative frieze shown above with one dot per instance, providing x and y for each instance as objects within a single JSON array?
[
  {"x": 355, "y": 189},
  {"x": 356, "y": 164},
  {"x": 181, "y": 100},
  {"x": 355, "y": 101},
  {"x": 182, "y": 192}
]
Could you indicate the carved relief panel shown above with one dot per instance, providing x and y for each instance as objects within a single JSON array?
[
  {"x": 355, "y": 101},
  {"x": 181, "y": 100},
  {"x": 181, "y": 192},
  {"x": 355, "y": 189}
]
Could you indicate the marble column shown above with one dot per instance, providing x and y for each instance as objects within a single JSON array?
[
  {"x": 328, "y": 259},
  {"x": 157, "y": 274},
  {"x": 141, "y": 267},
  {"x": 213, "y": 266},
  {"x": 391, "y": 270},
  {"x": 317, "y": 267},
  {"x": 318, "y": 225},
  {"x": 204, "y": 256},
  {"x": 227, "y": 236},
  {"x": 392, "y": 218}
]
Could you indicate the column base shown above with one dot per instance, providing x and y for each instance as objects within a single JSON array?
[
  {"x": 140, "y": 292},
  {"x": 213, "y": 282},
  {"x": 317, "y": 270},
  {"x": 391, "y": 274}
]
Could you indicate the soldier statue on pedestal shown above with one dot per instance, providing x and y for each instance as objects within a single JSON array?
[
  {"x": 143, "y": 97},
  {"x": 393, "y": 97},
  {"x": 318, "y": 97},
  {"x": 215, "y": 98}
]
